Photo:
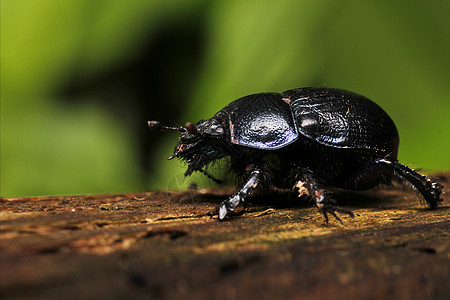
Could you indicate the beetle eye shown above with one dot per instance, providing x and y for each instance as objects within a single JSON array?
[
  {"x": 191, "y": 128},
  {"x": 219, "y": 129}
]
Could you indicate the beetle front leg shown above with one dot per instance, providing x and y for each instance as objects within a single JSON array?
[
  {"x": 326, "y": 205},
  {"x": 231, "y": 203}
]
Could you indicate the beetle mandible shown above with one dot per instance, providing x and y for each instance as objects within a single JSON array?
[{"x": 319, "y": 136}]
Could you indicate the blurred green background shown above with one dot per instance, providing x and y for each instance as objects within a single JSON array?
[{"x": 79, "y": 79}]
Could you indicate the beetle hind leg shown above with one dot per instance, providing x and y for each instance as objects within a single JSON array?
[
  {"x": 231, "y": 203},
  {"x": 323, "y": 200},
  {"x": 430, "y": 190}
]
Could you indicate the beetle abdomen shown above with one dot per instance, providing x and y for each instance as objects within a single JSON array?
[{"x": 342, "y": 119}]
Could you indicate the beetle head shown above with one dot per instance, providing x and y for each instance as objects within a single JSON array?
[{"x": 199, "y": 144}]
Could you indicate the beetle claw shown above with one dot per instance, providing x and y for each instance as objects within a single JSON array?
[{"x": 333, "y": 210}]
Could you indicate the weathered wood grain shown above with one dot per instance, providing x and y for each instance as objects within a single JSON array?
[{"x": 168, "y": 246}]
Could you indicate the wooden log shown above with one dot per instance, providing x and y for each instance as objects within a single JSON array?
[{"x": 168, "y": 245}]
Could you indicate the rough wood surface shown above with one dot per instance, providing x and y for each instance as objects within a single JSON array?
[{"x": 167, "y": 246}]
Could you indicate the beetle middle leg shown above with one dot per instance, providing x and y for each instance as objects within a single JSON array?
[
  {"x": 231, "y": 203},
  {"x": 326, "y": 205}
]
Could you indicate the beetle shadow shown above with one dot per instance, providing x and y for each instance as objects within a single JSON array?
[{"x": 374, "y": 198}]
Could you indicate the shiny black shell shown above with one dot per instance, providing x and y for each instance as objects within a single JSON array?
[{"x": 331, "y": 117}]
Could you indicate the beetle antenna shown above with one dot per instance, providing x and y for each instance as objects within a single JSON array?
[{"x": 156, "y": 126}]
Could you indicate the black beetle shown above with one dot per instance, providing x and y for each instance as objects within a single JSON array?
[{"x": 306, "y": 139}]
